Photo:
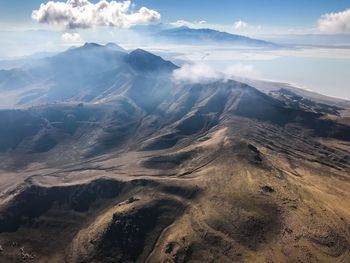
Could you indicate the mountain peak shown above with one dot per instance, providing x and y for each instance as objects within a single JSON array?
[
  {"x": 140, "y": 51},
  {"x": 94, "y": 47},
  {"x": 91, "y": 45},
  {"x": 114, "y": 47},
  {"x": 142, "y": 60}
]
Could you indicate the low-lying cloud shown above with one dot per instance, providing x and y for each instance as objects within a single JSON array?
[
  {"x": 204, "y": 73},
  {"x": 243, "y": 26},
  {"x": 84, "y": 14},
  {"x": 240, "y": 24},
  {"x": 196, "y": 73},
  {"x": 193, "y": 24},
  {"x": 72, "y": 38},
  {"x": 335, "y": 23}
]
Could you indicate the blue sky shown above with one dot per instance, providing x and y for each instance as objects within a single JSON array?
[
  {"x": 267, "y": 12},
  {"x": 281, "y": 13}
]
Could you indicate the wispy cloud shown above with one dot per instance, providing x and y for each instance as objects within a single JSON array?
[
  {"x": 335, "y": 23},
  {"x": 205, "y": 73},
  {"x": 240, "y": 24},
  {"x": 84, "y": 14},
  {"x": 245, "y": 27},
  {"x": 72, "y": 38},
  {"x": 196, "y": 73},
  {"x": 193, "y": 24}
]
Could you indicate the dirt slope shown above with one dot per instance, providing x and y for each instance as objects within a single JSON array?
[{"x": 211, "y": 173}]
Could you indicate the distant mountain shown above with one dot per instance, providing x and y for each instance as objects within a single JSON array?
[
  {"x": 13, "y": 78},
  {"x": 115, "y": 47},
  {"x": 209, "y": 36},
  {"x": 19, "y": 62},
  {"x": 87, "y": 73}
]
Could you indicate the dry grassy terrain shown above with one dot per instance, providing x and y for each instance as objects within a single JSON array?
[{"x": 216, "y": 173}]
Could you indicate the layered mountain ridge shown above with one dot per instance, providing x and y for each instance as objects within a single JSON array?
[{"x": 134, "y": 167}]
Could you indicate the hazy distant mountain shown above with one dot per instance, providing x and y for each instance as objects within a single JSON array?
[
  {"x": 14, "y": 79},
  {"x": 115, "y": 47},
  {"x": 87, "y": 73},
  {"x": 209, "y": 36},
  {"x": 19, "y": 62}
]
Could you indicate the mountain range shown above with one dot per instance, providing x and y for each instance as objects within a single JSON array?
[
  {"x": 206, "y": 36},
  {"x": 86, "y": 73},
  {"x": 105, "y": 158}
]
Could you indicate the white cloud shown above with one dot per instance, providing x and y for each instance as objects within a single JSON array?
[
  {"x": 84, "y": 14},
  {"x": 196, "y": 73},
  {"x": 193, "y": 24},
  {"x": 72, "y": 38},
  {"x": 204, "y": 73},
  {"x": 335, "y": 23},
  {"x": 240, "y": 24},
  {"x": 245, "y": 27}
]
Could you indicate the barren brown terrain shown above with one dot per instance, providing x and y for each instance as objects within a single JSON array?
[{"x": 217, "y": 172}]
